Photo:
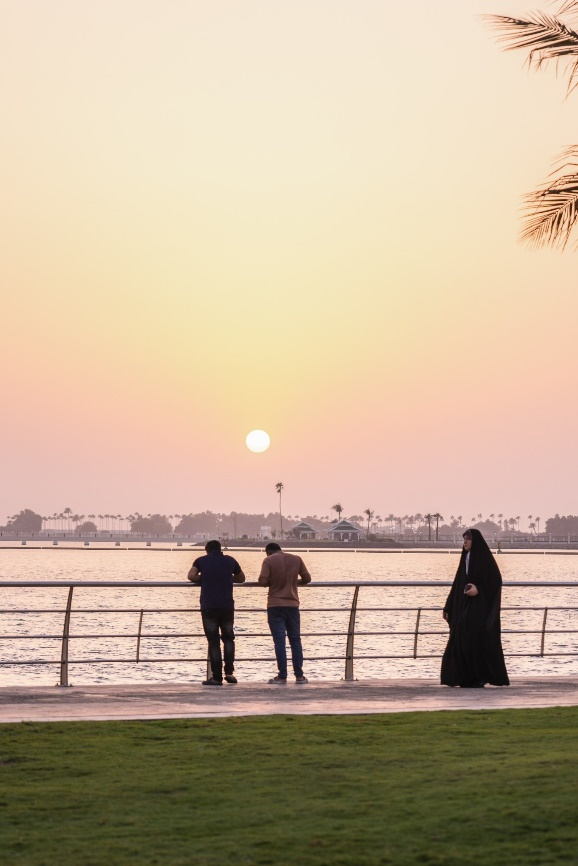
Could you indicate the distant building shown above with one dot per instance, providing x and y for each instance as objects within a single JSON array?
[
  {"x": 265, "y": 532},
  {"x": 345, "y": 531},
  {"x": 303, "y": 531}
]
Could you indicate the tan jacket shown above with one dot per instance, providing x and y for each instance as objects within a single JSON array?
[{"x": 279, "y": 572}]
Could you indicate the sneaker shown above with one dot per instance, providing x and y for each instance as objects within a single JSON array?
[
  {"x": 278, "y": 681},
  {"x": 212, "y": 682},
  {"x": 231, "y": 679},
  {"x": 300, "y": 681}
]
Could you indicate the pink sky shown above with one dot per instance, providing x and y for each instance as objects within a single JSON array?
[{"x": 225, "y": 216}]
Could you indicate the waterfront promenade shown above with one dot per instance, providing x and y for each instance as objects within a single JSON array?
[{"x": 178, "y": 701}]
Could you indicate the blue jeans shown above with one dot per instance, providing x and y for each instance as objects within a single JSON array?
[{"x": 286, "y": 621}]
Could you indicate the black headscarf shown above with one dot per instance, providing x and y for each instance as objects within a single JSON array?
[{"x": 483, "y": 567}]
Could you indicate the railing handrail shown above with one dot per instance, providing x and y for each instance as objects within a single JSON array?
[{"x": 253, "y": 583}]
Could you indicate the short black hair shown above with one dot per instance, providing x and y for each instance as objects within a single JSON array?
[
  {"x": 272, "y": 547},
  {"x": 213, "y": 546}
]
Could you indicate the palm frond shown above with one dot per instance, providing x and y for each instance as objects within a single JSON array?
[
  {"x": 568, "y": 8},
  {"x": 552, "y": 210},
  {"x": 545, "y": 37}
]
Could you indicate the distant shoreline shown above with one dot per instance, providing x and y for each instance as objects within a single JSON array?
[{"x": 115, "y": 541}]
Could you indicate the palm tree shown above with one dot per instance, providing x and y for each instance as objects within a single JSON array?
[
  {"x": 279, "y": 488},
  {"x": 428, "y": 517},
  {"x": 552, "y": 209},
  {"x": 538, "y": 523},
  {"x": 338, "y": 508},
  {"x": 370, "y": 514},
  {"x": 437, "y": 517}
]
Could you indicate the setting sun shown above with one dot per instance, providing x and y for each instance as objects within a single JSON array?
[{"x": 257, "y": 441}]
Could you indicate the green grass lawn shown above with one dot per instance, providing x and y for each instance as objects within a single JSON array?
[{"x": 452, "y": 788}]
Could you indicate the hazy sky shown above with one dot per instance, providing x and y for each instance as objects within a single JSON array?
[{"x": 297, "y": 216}]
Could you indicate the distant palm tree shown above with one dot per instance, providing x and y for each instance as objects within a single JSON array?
[
  {"x": 538, "y": 523},
  {"x": 437, "y": 517},
  {"x": 279, "y": 489},
  {"x": 552, "y": 210},
  {"x": 370, "y": 514},
  {"x": 428, "y": 518},
  {"x": 338, "y": 508}
]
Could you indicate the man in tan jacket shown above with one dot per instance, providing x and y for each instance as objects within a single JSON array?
[{"x": 281, "y": 572}]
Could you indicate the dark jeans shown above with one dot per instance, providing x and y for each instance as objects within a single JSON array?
[
  {"x": 286, "y": 621},
  {"x": 218, "y": 626}
]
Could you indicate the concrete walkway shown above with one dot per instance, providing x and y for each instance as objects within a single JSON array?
[{"x": 104, "y": 703}]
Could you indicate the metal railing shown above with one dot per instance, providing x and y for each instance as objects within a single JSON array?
[{"x": 348, "y": 656}]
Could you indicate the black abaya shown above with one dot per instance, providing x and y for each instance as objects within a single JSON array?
[{"x": 474, "y": 656}]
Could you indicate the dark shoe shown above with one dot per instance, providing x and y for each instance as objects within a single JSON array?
[
  {"x": 300, "y": 681},
  {"x": 231, "y": 679},
  {"x": 212, "y": 682},
  {"x": 277, "y": 681}
]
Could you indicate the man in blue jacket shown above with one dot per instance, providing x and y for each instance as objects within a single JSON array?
[{"x": 216, "y": 573}]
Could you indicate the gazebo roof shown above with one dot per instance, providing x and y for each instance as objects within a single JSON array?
[
  {"x": 304, "y": 526},
  {"x": 345, "y": 526}
]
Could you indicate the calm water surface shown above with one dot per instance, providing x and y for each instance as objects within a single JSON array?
[{"x": 172, "y": 611}]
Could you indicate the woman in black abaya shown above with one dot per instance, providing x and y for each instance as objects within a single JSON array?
[{"x": 474, "y": 655}]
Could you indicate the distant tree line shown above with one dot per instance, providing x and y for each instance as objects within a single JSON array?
[{"x": 239, "y": 524}]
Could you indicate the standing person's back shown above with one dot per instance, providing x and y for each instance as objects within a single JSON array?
[
  {"x": 281, "y": 572},
  {"x": 216, "y": 573}
]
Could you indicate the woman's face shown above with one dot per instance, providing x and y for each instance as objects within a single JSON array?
[{"x": 467, "y": 542}]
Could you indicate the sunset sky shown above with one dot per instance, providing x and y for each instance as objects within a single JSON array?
[{"x": 296, "y": 216}]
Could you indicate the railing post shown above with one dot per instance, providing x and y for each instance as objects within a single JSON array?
[
  {"x": 543, "y": 632},
  {"x": 139, "y": 636},
  {"x": 65, "y": 636},
  {"x": 416, "y": 633},
  {"x": 350, "y": 637}
]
